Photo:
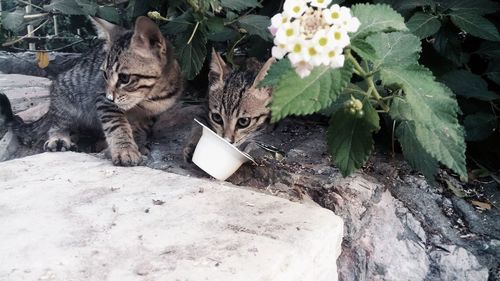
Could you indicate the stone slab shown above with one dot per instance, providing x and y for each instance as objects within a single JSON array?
[{"x": 70, "y": 216}]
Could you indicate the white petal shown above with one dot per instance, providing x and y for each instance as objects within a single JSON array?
[
  {"x": 278, "y": 52},
  {"x": 353, "y": 25}
]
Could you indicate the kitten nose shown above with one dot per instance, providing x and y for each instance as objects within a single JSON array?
[{"x": 229, "y": 139}]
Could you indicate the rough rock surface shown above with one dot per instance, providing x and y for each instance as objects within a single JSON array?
[
  {"x": 76, "y": 217},
  {"x": 397, "y": 226},
  {"x": 26, "y": 63}
]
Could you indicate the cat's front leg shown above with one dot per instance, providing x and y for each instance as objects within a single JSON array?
[
  {"x": 142, "y": 131},
  {"x": 194, "y": 137},
  {"x": 118, "y": 132}
]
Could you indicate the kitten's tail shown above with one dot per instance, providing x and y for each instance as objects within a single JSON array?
[{"x": 28, "y": 133}]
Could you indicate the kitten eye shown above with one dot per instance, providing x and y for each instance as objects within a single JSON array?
[
  {"x": 105, "y": 75},
  {"x": 123, "y": 78},
  {"x": 243, "y": 122},
  {"x": 217, "y": 118}
]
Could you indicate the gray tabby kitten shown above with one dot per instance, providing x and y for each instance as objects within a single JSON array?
[
  {"x": 237, "y": 109},
  {"x": 116, "y": 89}
]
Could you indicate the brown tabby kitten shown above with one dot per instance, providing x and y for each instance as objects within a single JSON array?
[
  {"x": 116, "y": 89},
  {"x": 237, "y": 108}
]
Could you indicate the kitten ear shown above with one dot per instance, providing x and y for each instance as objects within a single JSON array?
[
  {"x": 147, "y": 36},
  {"x": 218, "y": 68},
  {"x": 263, "y": 71},
  {"x": 106, "y": 30}
]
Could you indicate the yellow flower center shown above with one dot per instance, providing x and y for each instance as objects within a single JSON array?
[
  {"x": 284, "y": 19},
  {"x": 335, "y": 15},
  {"x": 331, "y": 54},
  {"x": 312, "y": 51},
  {"x": 289, "y": 32},
  {"x": 337, "y": 35},
  {"x": 321, "y": 1},
  {"x": 323, "y": 41},
  {"x": 297, "y": 48},
  {"x": 296, "y": 9}
]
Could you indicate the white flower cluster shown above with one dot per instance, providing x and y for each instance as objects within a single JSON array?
[{"x": 311, "y": 34}]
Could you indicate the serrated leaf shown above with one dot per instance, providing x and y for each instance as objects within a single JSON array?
[
  {"x": 296, "y": 96},
  {"x": 238, "y": 5},
  {"x": 476, "y": 25},
  {"x": 433, "y": 109},
  {"x": 67, "y": 7},
  {"x": 423, "y": 25},
  {"x": 376, "y": 18},
  {"x": 350, "y": 138},
  {"x": 469, "y": 85},
  {"x": 364, "y": 49},
  {"x": 413, "y": 151},
  {"x": 275, "y": 72},
  {"x": 395, "y": 48},
  {"x": 191, "y": 56},
  {"x": 479, "y": 126},
  {"x": 256, "y": 25},
  {"x": 179, "y": 24}
]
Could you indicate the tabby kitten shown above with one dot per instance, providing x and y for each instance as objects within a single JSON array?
[
  {"x": 237, "y": 109},
  {"x": 116, "y": 89}
]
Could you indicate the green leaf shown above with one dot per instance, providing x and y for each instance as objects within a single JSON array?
[
  {"x": 256, "y": 25},
  {"x": 179, "y": 24},
  {"x": 396, "y": 48},
  {"x": 191, "y": 56},
  {"x": 479, "y": 7},
  {"x": 490, "y": 50},
  {"x": 238, "y": 5},
  {"x": 350, "y": 138},
  {"x": 423, "y": 25},
  {"x": 14, "y": 21},
  {"x": 351, "y": 90},
  {"x": 433, "y": 109},
  {"x": 108, "y": 13},
  {"x": 376, "y": 18},
  {"x": 296, "y": 96},
  {"x": 413, "y": 151},
  {"x": 476, "y": 25},
  {"x": 493, "y": 71},
  {"x": 137, "y": 8},
  {"x": 406, "y": 5},
  {"x": 68, "y": 7},
  {"x": 226, "y": 34},
  {"x": 364, "y": 49},
  {"x": 275, "y": 72},
  {"x": 479, "y": 126},
  {"x": 469, "y": 85},
  {"x": 448, "y": 44}
]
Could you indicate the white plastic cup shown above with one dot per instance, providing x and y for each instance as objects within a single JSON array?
[{"x": 216, "y": 156}]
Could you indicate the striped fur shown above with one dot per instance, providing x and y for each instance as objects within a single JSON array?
[
  {"x": 237, "y": 109},
  {"x": 115, "y": 90}
]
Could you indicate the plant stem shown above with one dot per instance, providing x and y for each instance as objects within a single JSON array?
[
  {"x": 194, "y": 31},
  {"x": 357, "y": 67}
]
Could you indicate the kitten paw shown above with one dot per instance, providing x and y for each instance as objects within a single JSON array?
[
  {"x": 188, "y": 152},
  {"x": 59, "y": 144},
  {"x": 126, "y": 156}
]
